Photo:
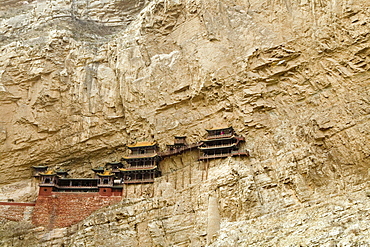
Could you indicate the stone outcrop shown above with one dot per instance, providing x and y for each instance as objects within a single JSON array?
[{"x": 80, "y": 79}]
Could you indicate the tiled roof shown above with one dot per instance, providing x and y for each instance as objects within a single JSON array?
[{"x": 142, "y": 144}]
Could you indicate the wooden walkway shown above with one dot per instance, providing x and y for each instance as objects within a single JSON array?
[
  {"x": 216, "y": 156},
  {"x": 179, "y": 150}
]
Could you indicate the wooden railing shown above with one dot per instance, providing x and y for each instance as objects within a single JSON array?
[
  {"x": 224, "y": 155},
  {"x": 214, "y": 156},
  {"x": 145, "y": 167},
  {"x": 77, "y": 187},
  {"x": 221, "y": 145},
  {"x": 179, "y": 150},
  {"x": 240, "y": 153},
  {"x": 148, "y": 155},
  {"x": 219, "y": 136}
]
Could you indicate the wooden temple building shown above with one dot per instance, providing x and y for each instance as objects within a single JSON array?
[
  {"x": 179, "y": 146},
  {"x": 57, "y": 181},
  {"x": 39, "y": 169},
  {"x": 140, "y": 166},
  {"x": 179, "y": 143},
  {"x": 220, "y": 143},
  {"x": 142, "y": 163}
]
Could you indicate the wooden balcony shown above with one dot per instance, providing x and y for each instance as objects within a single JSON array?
[
  {"x": 227, "y": 135},
  {"x": 179, "y": 150},
  {"x": 214, "y": 156},
  {"x": 224, "y": 155},
  {"x": 138, "y": 168},
  {"x": 76, "y": 187},
  {"x": 139, "y": 156},
  {"x": 240, "y": 153},
  {"x": 220, "y": 146}
]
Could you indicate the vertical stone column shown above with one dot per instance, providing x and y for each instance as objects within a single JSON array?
[{"x": 214, "y": 218}]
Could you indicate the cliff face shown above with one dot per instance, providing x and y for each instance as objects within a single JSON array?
[
  {"x": 59, "y": 95},
  {"x": 80, "y": 79}
]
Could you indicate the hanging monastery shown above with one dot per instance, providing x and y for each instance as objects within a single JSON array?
[{"x": 63, "y": 201}]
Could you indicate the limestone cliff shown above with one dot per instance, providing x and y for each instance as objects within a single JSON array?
[{"x": 80, "y": 79}]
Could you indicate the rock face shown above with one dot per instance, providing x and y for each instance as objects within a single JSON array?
[{"x": 80, "y": 79}]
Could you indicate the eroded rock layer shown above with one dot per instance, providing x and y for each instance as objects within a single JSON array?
[{"x": 80, "y": 79}]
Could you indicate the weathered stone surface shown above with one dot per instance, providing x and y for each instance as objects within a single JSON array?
[{"x": 80, "y": 79}]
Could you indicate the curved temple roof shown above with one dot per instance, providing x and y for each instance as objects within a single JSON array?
[
  {"x": 106, "y": 174},
  {"x": 220, "y": 128},
  {"x": 39, "y": 167},
  {"x": 49, "y": 172},
  {"x": 142, "y": 144},
  {"x": 99, "y": 168}
]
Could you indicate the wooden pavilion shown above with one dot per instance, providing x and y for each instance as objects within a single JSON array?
[{"x": 221, "y": 143}]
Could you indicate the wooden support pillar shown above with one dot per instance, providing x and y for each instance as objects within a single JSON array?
[
  {"x": 190, "y": 174},
  {"x": 207, "y": 166},
  {"x": 182, "y": 182}
]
